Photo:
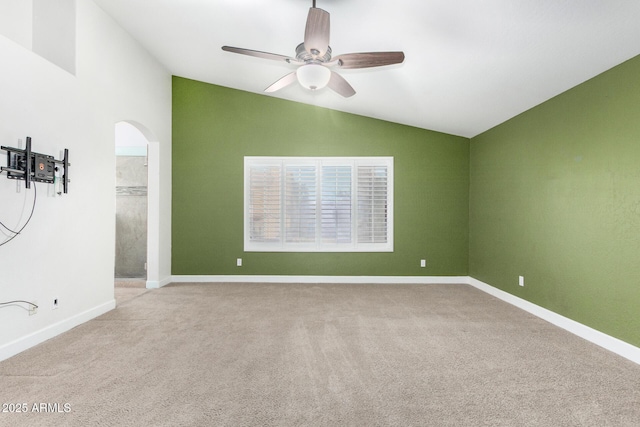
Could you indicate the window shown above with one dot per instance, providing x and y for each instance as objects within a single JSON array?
[{"x": 318, "y": 204}]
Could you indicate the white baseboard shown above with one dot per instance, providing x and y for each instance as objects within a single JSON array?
[
  {"x": 21, "y": 344},
  {"x": 603, "y": 340},
  {"x": 155, "y": 284},
  {"x": 325, "y": 279}
]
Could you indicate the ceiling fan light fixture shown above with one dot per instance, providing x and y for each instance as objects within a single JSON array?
[
  {"x": 313, "y": 76},
  {"x": 314, "y": 61}
]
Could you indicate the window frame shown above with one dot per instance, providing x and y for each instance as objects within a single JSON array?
[{"x": 318, "y": 246}]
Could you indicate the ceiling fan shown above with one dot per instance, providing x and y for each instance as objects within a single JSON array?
[{"x": 314, "y": 61}]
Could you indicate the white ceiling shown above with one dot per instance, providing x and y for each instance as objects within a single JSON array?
[{"x": 470, "y": 64}]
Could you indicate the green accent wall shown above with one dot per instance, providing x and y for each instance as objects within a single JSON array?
[
  {"x": 215, "y": 127},
  {"x": 555, "y": 197}
]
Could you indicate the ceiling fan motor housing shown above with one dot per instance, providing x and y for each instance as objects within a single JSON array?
[{"x": 304, "y": 56}]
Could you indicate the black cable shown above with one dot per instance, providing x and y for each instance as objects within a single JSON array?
[
  {"x": 19, "y": 301},
  {"x": 33, "y": 208},
  {"x": 7, "y": 228},
  {"x": 4, "y": 226}
]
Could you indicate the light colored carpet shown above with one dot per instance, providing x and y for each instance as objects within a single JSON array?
[
  {"x": 126, "y": 289},
  {"x": 320, "y": 355},
  {"x": 133, "y": 282}
]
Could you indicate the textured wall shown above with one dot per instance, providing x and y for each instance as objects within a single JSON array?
[
  {"x": 215, "y": 127},
  {"x": 131, "y": 216},
  {"x": 555, "y": 197},
  {"x": 70, "y": 239}
]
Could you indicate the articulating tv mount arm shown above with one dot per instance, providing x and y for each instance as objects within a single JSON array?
[{"x": 30, "y": 166}]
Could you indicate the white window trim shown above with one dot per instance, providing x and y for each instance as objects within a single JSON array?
[{"x": 282, "y": 246}]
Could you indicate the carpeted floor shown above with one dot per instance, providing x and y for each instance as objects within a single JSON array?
[
  {"x": 319, "y": 355},
  {"x": 126, "y": 289}
]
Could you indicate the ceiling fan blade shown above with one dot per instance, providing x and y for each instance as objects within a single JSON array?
[
  {"x": 264, "y": 55},
  {"x": 368, "y": 59},
  {"x": 338, "y": 84},
  {"x": 316, "y": 32},
  {"x": 282, "y": 82}
]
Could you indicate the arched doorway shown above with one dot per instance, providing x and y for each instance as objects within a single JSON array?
[{"x": 137, "y": 193}]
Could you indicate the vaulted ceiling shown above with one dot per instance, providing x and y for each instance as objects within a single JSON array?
[{"x": 470, "y": 64}]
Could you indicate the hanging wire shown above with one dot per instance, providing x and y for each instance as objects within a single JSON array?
[
  {"x": 19, "y": 301},
  {"x": 7, "y": 228},
  {"x": 16, "y": 233}
]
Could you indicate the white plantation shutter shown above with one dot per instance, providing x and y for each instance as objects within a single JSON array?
[
  {"x": 300, "y": 204},
  {"x": 331, "y": 204},
  {"x": 264, "y": 203},
  {"x": 372, "y": 204},
  {"x": 336, "y": 204}
]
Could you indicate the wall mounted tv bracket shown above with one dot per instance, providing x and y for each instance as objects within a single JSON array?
[{"x": 30, "y": 166}]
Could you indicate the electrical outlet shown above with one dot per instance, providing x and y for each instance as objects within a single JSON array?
[
  {"x": 423, "y": 263},
  {"x": 521, "y": 280},
  {"x": 33, "y": 309},
  {"x": 239, "y": 262},
  {"x": 55, "y": 304}
]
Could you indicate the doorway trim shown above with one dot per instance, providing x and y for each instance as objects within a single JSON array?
[{"x": 153, "y": 204}]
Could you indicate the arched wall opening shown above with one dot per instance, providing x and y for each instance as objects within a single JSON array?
[{"x": 136, "y": 144}]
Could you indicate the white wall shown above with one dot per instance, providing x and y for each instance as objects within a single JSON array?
[
  {"x": 67, "y": 250},
  {"x": 130, "y": 141},
  {"x": 54, "y": 35},
  {"x": 15, "y": 21}
]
